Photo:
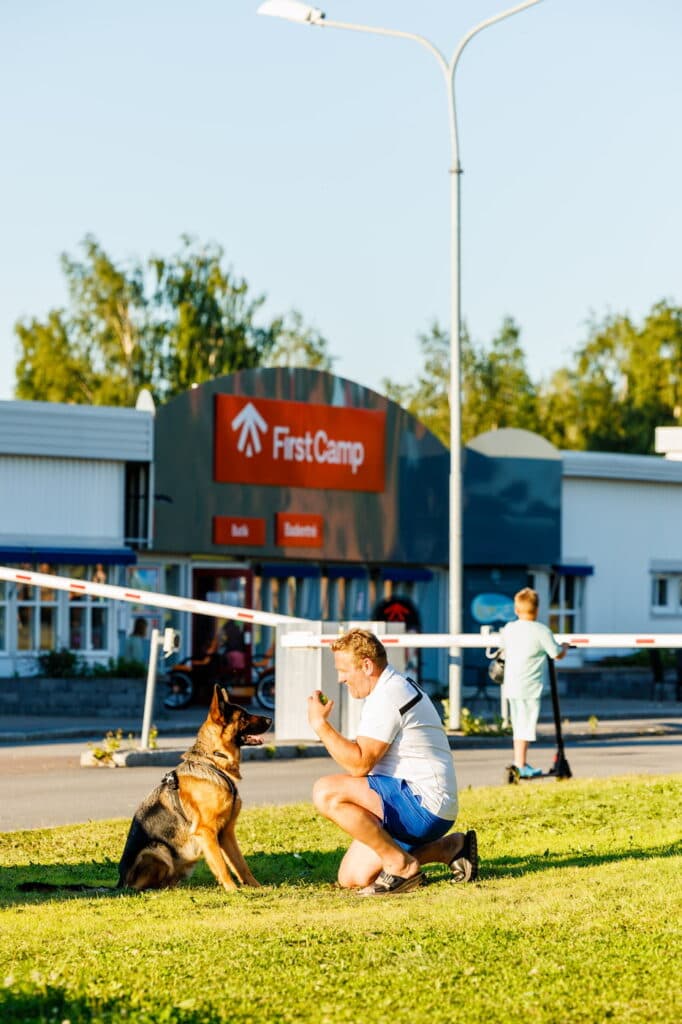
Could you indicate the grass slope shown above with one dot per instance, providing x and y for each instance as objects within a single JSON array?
[{"x": 576, "y": 919}]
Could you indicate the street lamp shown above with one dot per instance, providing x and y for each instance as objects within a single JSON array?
[{"x": 293, "y": 10}]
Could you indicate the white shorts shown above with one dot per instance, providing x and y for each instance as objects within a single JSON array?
[{"x": 524, "y": 716}]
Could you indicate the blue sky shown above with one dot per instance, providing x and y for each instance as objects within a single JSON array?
[{"x": 319, "y": 160}]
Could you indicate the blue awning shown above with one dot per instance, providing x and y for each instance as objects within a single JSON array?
[
  {"x": 403, "y": 575},
  {"x": 283, "y": 571},
  {"x": 68, "y": 556},
  {"x": 346, "y": 572},
  {"x": 573, "y": 570}
]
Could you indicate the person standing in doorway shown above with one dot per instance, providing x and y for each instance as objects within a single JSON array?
[
  {"x": 137, "y": 646},
  {"x": 527, "y": 645}
]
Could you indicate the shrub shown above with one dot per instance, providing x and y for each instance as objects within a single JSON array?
[
  {"x": 60, "y": 664},
  {"x": 64, "y": 664}
]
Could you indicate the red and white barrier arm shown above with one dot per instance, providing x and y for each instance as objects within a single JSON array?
[
  {"x": 584, "y": 640},
  {"x": 147, "y": 597}
]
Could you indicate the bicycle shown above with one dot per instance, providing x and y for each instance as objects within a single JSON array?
[{"x": 192, "y": 680}]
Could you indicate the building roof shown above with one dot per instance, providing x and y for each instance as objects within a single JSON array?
[
  {"x": 616, "y": 466},
  {"x": 76, "y": 431}
]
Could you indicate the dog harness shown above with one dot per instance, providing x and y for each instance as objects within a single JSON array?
[{"x": 171, "y": 782}]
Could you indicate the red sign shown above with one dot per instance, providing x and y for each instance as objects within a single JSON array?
[
  {"x": 299, "y": 531},
  {"x": 229, "y": 530},
  {"x": 296, "y": 444}
]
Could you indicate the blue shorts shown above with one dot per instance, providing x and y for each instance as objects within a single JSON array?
[{"x": 405, "y": 819}]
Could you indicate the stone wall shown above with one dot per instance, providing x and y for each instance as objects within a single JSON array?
[
  {"x": 109, "y": 698},
  {"x": 628, "y": 683}
]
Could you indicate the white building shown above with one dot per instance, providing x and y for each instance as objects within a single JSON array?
[
  {"x": 621, "y": 521},
  {"x": 75, "y": 486}
]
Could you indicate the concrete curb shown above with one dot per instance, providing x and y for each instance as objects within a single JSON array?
[{"x": 170, "y": 757}]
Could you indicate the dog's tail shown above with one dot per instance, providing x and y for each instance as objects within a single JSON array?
[{"x": 73, "y": 887}]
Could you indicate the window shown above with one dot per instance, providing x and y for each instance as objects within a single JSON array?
[
  {"x": 666, "y": 593},
  {"x": 565, "y": 603},
  {"x": 137, "y": 504},
  {"x": 88, "y": 615},
  {"x": 36, "y": 615}
]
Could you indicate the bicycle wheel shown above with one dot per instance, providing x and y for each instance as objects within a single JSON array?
[
  {"x": 180, "y": 691},
  {"x": 265, "y": 691}
]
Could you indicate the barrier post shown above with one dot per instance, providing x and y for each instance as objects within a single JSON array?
[{"x": 154, "y": 645}]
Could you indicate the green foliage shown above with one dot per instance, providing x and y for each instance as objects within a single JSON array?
[
  {"x": 496, "y": 389},
  {"x": 164, "y": 325},
  {"x": 119, "y": 668},
  {"x": 621, "y": 383},
  {"x": 428, "y": 399},
  {"x": 61, "y": 664},
  {"x": 298, "y": 345},
  {"x": 111, "y": 743},
  {"x": 66, "y": 664},
  {"x": 475, "y": 725},
  {"x": 575, "y": 920}
]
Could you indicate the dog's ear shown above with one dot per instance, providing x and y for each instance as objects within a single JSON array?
[{"x": 215, "y": 710}]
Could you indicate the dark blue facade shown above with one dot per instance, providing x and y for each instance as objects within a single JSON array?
[{"x": 511, "y": 510}]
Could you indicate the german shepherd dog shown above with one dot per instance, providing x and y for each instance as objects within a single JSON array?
[{"x": 192, "y": 812}]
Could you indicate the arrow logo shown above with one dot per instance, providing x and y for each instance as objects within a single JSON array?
[{"x": 252, "y": 426}]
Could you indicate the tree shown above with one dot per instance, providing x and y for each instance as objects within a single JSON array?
[
  {"x": 428, "y": 399},
  {"x": 298, "y": 345},
  {"x": 625, "y": 381},
  {"x": 208, "y": 319},
  {"x": 496, "y": 389},
  {"x": 49, "y": 367},
  {"x": 165, "y": 325}
]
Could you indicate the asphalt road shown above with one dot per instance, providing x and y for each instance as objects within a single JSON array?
[{"x": 43, "y": 785}]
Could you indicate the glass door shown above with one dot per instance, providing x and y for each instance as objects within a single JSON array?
[{"x": 221, "y": 586}]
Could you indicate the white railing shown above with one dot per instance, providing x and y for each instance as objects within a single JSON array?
[
  {"x": 582, "y": 640},
  {"x": 147, "y": 597}
]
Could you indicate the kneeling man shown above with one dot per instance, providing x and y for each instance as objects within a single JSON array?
[{"x": 399, "y": 796}]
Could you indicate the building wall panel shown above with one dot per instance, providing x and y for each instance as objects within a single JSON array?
[
  {"x": 61, "y": 501},
  {"x": 622, "y": 528}
]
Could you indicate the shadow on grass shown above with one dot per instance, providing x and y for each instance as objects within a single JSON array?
[
  {"x": 55, "y": 1004},
  {"x": 530, "y": 863},
  {"x": 307, "y": 868}
]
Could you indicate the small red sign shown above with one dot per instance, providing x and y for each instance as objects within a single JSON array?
[
  {"x": 231, "y": 530},
  {"x": 299, "y": 531}
]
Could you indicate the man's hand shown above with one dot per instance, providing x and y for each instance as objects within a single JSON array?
[
  {"x": 564, "y": 649},
  {"x": 318, "y": 710}
]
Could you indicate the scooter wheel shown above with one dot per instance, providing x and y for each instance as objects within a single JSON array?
[
  {"x": 511, "y": 775},
  {"x": 181, "y": 691}
]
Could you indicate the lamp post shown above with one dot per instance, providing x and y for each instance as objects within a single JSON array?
[{"x": 293, "y": 10}]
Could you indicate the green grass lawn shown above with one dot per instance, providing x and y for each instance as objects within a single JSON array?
[{"x": 576, "y": 918}]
